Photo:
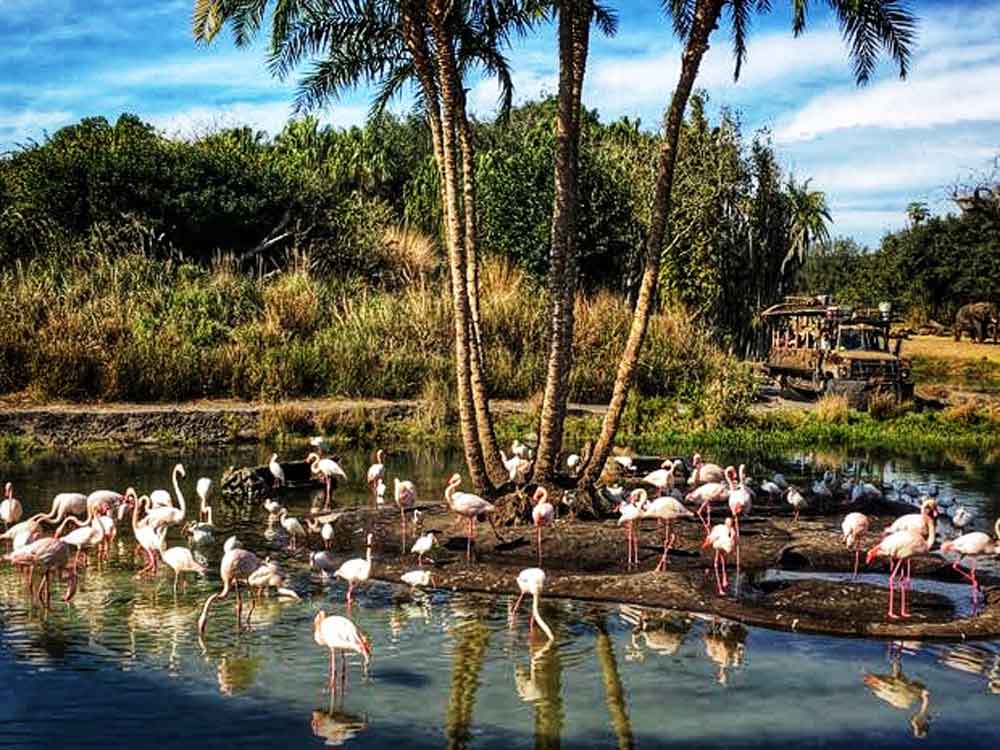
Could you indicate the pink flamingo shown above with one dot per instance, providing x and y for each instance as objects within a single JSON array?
[
  {"x": 356, "y": 570},
  {"x": 532, "y": 581},
  {"x": 722, "y": 538},
  {"x": 541, "y": 515},
  {"x": 376, "y": 472},
  {"x": 900, "y": 547},
  {"x": 468, "y": 506},
  {"x": 49, "y": 555},
  {"x": 740, "y": 501},
  {"x": 706, "y": 494},
  {"x": 237, "y": 565},
  {"x": 665, "y": 510},
  {"x": 329, "y": 469},
  {"x": 340, "y": 634},
  {"x": 914, "y": 522},
  {"x": 972, "y": 545},
  {"x": 855, "y": 526},
  {"x": 10, "y": 509},
  {"x": 630, "y": 512},
  {"x": 405, "y": 494},
  {"x": 703, "y": 473},
  {"x": 662, "y": 478}
]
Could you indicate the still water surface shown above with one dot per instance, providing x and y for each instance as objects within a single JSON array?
[{"x": 123, "y": 665}]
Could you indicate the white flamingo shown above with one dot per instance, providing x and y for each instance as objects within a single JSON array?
[
  {"x": 376, "y": 473},
  {"x": 340, "y": 634},
  {"x": 900, "y": 547},
  {"x": 169, "y": 516},
  {"x": 666, "y": 510},
  {"x": 532, "y": 581},
  {"x": 855, "y": 526},
  {"x": 974, "y": 545},
  {"x": 797, "y": 500},
  {"x": 237, "y": 564},
  {"x": 293, "y": 527},
  {"x": 88, "y": 534},
  {"x": 704, "y": 473},
  {"x": 662, "y": 478},
  {"x": 328, "y": 469},
  {"x": 356, "y": 570},
  {"x": 149, "y": 537},
  {"x": 67, "y": 504},
  {"x": 706, "y": 494},
  {"x": 181, "y": 560},
  {"x": 203, "y": 487},
  {"x": 416, "y": 578},
  {"x": 722, "y": 538},
  {"x": 10, "y": 509},
  {"x": 628, "y": 513},
  {"x": 277, "y": 472},
  {"x": 404, "y": 492},
  {"x": 468, "y": 506},
  {"x": 914, "y": 522}
]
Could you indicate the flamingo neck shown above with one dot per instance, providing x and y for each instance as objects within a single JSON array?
[
  {"x": 931, "y": 529},
  {"x": 538, "y": 616},
  {"x": 177, "y": 491}
]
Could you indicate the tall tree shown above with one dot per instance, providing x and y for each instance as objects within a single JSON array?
[
  {"x": 809, "y": 218},
  {"x": 574, "y": 43},
  {"x": 916, "y": 212},
  {"x": 869, "y": 26}
]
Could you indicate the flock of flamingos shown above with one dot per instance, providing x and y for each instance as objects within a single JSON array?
[{"x": 57, "y": 544}]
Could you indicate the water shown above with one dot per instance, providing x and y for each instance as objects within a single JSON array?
[{"x": 123, "y": 664}]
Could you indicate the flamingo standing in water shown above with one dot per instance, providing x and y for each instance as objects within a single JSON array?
[
  {"x": 855, "y": 526},
  {"x": 48, "y": 555},
  {"x": 468, "y": 506},
  {"x": 376, "y": 473},
  {"x": 900, "y": 547},
  {"x": 542, "y": 514},
  {"x": 340, "y": 634},
  {"x": 148, "y": 537},
  {"x": 237, "y": 565},
  {"x": 628, "y": 513},
  {"x": 328, "y": 469},
  {"x": 973, "y": 545},
  {"x": 722, "y": 538},
  {"x": 203, "y": 487},
  {"x": 293, "y": 526},
  {"x": 169, "y": 515},
  {"x": 277, "y": 472},
  {"x": 10, "y": 509},
  {"x": 89, "y": 533},
  {"x": 356, "y": 570},
  {"x": 66, "y": 504},
  {"x": 180, "y": 561},
  {"x": 666, "y": 510},
  {"x": 532, "y": 581},
  {"x": 404, "y": 492}
]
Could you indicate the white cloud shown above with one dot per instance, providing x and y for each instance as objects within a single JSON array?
[
  {"x": 21, "y": 125},
  {"x": 268, "y": 116},
  {"x": 484, "y": 96}
]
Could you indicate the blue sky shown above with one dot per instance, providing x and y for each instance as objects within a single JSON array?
[{"x": 871, "y": 149}]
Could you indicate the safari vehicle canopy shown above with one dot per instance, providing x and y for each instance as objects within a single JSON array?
[{"x": 817, "y": 347}]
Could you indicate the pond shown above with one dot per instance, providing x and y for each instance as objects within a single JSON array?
[{"x": 123, "y": 663}]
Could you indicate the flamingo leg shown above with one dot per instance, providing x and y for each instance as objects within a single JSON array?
[
  {"x": 666, "y": 547},
  {"x": 893, "y": 571},
  {"x": 513, "y": 611},
  {"x": 239, "y": 607},
  {"x": 538, "y": 530},
  {"x": 857, "y": 562},
  {"x": 333, "y": 670},
  {"x": 906, "y": 585}
]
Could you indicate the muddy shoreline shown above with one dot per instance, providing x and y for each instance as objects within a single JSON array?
[{"x": 585, "y": 561}]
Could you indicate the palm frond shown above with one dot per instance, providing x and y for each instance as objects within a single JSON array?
[
  {"x": 681, "y": 14},
  {"x": 739, "y": 19},
  {"x": 869, "y": 26},
  {"x": 799, "y": 10}
]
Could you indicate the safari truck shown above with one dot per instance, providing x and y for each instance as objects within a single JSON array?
[{"x": 816, "y": 347}]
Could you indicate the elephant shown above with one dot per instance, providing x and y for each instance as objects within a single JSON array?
[{"x": 977, "y": 318}]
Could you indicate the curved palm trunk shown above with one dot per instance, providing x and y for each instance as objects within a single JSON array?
[
  {"x": 480, "y": 398},
  {"x": 705, "y": 18},
  {"x": 450, "y": 100},
  {"x": 574, "y": 27}
]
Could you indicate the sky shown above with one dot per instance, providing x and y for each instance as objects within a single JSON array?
[{"x": 871, "y": 149}]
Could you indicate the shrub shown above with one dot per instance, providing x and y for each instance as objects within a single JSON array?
[
  {"x": 833, "y": 409},
  {"x": 281, "y": 420}
]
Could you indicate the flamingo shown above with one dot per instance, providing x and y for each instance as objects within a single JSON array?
[
  {"x": 380, "y": 493},
  {"x": 900, "y": 547},
  {"x": 10, "y": 509},
  {"x": 914, "y": 522},
  {"x": 87, "y": 534},
  {"x": 722, "y": 539},
  {"x": 405, "y": 494},
  {"x": 740, "y": 498},
  {"x": 237, "y": 565},
  {"x": 468, "y": 506},
  {"x": 703, "y": 473},
  {"x": 665, "y": 510},
  {"x": 855, "y": 526},
  {"x": 771, "y": 489},
  {"x": 319, "y": 443},
  {"x": 277, "y": 473},
  {"x": 662, "y": 478},
  {"x": 326, "y": 533},
  {"x": 340, "y": 634},
  {"x": 329, "y": 469},
  {"x": 532, "y": 581},
  {"x": 625, "y": 464},
  {"x": 519, "y": 449},
  {"x": 797, "y": 500},
  {"x": 356, "y": 570},
  {"x": 293, "y": 526},
  {"x": 972, "y": 545},
  {"x": 49, "y": 555},
  {"x": 779, "y": 479},
  {"x": 203, "y": 487},
  {"x": 961, "y": 517},
  {"x": 180, "y": 561},
  {"x": 323, "y": 562},
  {"x": 516, "y": 465},
  {"x": 416, "y": 578},
  {"x": 160, "y": 499},
  {"x": 628, "y": 513},
  {"x": 201, "y": 532},
  {"x": 269, "y": 576},
  {"x": 572, "y": 462},
  {"x": 169, "y": 515},
  {"x": 376, "y": 472},
  {"x": 273, "y": 507},
  {"x": 110, "y": 529},
  {"x": 22, "y": 533},
  {"x": 66, "y": 504},
  {"x": 149, "y": 537},
  {"x": 423, "y": 545},
  {"x": 106, "y": 501},
  {"x": 706, "y": 494},
  {"x": 542, "y": 514}
]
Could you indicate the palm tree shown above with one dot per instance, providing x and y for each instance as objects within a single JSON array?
[
  {"x": 809, "y": 217},
  {"x": 389, "y": 44},
  {"x": 869, "y": 26},
  {"x": 917, "y": 212},
  {"x": 574, "y": 40}
]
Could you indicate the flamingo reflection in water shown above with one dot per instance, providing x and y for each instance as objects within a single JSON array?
[
  {"x": 725, "y": 644},
  {"x": 336, "y": 726},
  {"x": 901, "y": 692}
]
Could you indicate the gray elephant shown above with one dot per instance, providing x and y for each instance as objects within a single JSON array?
[{"x": 977, "y": 318}]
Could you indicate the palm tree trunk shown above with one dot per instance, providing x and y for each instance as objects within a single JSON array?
[
  {"x": 574, "y": 25},
  {"x": 472, "y": 643},
  {"x": 480, "y": 398},
  {"x": 706, "y": 16},
  {"x": 449, "y": 96},
  {"x": 614, "y": 693}
]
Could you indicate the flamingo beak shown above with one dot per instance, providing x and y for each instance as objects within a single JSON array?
[{"x": 872, "y": 554}]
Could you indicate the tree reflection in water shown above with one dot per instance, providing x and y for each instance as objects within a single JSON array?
[
  {"x": 472, "y": 637},
  {"x": 613, "y": 691},
  {"x": 725, "y": 644},
  {"x": 540, "y": 683}
]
